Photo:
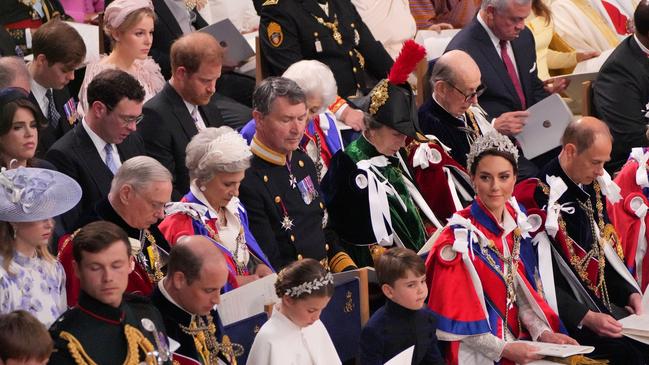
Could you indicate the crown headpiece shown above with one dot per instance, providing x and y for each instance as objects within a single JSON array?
[
  {"x": 490, "y": 141},
  {"x": 310, "y": 286}
]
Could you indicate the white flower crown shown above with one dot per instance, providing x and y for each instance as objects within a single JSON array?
[{"x": 310, "y": 286}]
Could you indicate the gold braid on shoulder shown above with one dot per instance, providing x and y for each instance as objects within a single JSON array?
[{"x": 135, "y": 342}]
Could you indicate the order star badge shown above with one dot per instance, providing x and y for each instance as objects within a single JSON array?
[
  {"x": 287, "y": 223},
  {"x": 292, "y": 181}
]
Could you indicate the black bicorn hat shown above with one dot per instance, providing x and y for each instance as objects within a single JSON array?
[{"x": 392, "y": 101}]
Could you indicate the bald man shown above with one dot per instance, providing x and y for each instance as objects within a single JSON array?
[
  {"x": 187, "y": 298},
  {"x": 453, "y": 114},
  {"x": 14, "y": 73},
  {"x": 592, "y": 296}
]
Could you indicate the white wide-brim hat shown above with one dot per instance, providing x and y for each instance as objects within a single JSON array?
[{"x": 29, "y": 194}]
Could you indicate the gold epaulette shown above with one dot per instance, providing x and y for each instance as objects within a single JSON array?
[
  {"x": 270, "y": 2},
  {"x": 135, "y": 341}
]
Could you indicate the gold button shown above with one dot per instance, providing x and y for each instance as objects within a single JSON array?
[
  {"x": 292, "y": 238},
  {"x": 358, "y": 86},
  {"x": 321, "y": 205},
  {"x": 353, "y": 26},
  {"x": 315, "y": 34},
  {"x": 299, "y": 257},
  {"x": 278, "y": 199},
  {"x": 350, "y": 53},
  {"x": 327, "y": 246},
  {"x": 301, "y": 163},
  {"x": 354, "y": 69},
  {"x": 265, "y": 178}
]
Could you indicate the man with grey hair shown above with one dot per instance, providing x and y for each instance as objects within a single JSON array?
[
  {"x": 280, "y": 189},
  {"x": 453, "y": 114},
  {"x": 139, "y": 192},
  {"x": 14, "y": 73},
  {"x": 504, "y": 49}
]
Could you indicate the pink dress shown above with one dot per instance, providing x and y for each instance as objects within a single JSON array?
[
  {"x": 79, "y": 8},
  {"x": 147, "y": 72}
]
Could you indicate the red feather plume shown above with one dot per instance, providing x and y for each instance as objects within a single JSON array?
[{"x": 411, "y": 53}]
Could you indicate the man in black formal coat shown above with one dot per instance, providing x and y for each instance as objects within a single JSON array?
[
  {"x": 92, "y": 152},
  {"x": 186, "y": 297},
  {"x": 58, "y": 51},
  {"x": 174, "y": 116},
  {"x": 106, "y": 326},
  {"x": 621, "y": 91},
  {"x": 593, "y": 286},
  {"x": 280, "y": 189},
  {"x": 504, "y": 49}
]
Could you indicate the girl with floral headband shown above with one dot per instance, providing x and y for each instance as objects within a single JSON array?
[
  {"x": 486, "y": 250},
  {"x": 294, "y": 334}
]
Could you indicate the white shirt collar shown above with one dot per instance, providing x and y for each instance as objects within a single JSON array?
[
  {"x": 495, "y": 40},
  {"x": 642, "y": 47},
  {"x": 165, "y": 294},
  {"x": 39, "y": 94},
  {"x": 97, "y": 141}
]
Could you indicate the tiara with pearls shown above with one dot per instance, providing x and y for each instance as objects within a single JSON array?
[
  {"x": 490, "y": 141},
  {"x": 310, "y": 286}
]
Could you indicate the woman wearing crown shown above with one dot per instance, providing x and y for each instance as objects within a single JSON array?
[{"x": 486, "y": 249}]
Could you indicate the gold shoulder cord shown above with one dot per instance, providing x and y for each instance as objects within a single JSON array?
[{"x": 135, "y": 342}]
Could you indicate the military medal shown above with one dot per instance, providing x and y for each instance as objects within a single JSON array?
[
  {"x": 318, "y": 45},
  {"x": 287, "y": 223},
  {"x": 70, "y": 111},
  {"x": 307, "y": 190},
  {"x": 292, "y": 181}
]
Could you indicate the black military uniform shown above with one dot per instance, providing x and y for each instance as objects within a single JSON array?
[
  {"x": 12, "y": 12},
  {"x": 181, "y": 325},
  {"x": 285, "y": 209},
  {"x": 294, "y": 30},
  {"x": 94, "y": 332}
]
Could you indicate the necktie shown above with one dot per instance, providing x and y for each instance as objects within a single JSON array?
[
  {"x": 511, "y": 71},
  {"x": 195, "y": 116},
  {"x": 110, "y": 159},
  {"x": 52, "y": 114}
]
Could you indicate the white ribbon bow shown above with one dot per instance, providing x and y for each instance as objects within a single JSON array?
[
  {"x": 424, "y": 155},
  {"x": 521, "y": 219},
  {"x": 640, "y": 209},
  {"x": 609, "y": 188},
  {"x": 557, "y": 188},
  {"x": 466, "y": 235},
  {"x": 378, "y": 189},
  {"x": 641, "y": 178}
]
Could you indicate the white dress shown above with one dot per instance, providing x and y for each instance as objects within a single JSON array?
[
  {"x": 281, "y": 342},
  {"x": 34, "y": 285}
]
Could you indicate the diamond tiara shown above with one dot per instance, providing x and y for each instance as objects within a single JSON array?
[
  {"x": 310, "y": 286},
  {"x": 490, "y": 141}
]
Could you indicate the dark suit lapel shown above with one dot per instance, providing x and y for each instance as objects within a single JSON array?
[
  {"x": 179, "y": 109},
  {"x": 490, "y": 54},
  {"x": 166, "y": 18},
  {"x": 89, "y": 157},
  {"x": 211, "y": 115}
]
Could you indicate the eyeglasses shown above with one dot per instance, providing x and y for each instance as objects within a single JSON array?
[
  {"x": 126, "y": 119},
  {"x": 477, "y": 93}
]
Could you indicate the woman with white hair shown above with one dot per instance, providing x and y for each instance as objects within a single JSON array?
[
  {"x": 217, "y": 159},
  {"x": 321, "y": 138}
]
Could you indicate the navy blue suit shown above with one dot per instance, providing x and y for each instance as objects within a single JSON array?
[
  {"x": 500, "y": 96},
  {"x": 393, "y": 329}
]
